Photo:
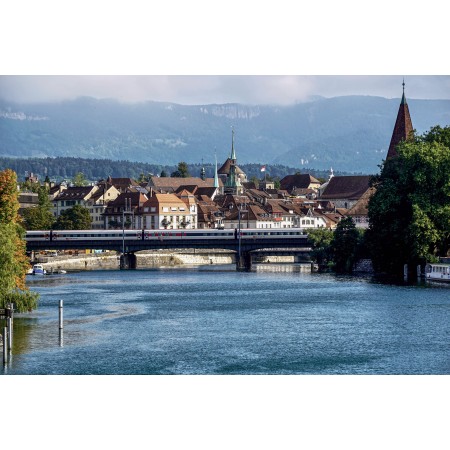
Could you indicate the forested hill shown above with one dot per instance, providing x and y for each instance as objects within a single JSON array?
[
  {"x": 63, "y": 168},
  {"x": 350, "y": 133}
]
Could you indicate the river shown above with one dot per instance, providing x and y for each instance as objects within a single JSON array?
[{"x": 214, "y": 320}]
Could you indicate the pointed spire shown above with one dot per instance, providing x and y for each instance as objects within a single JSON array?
[
  {"x": 331, "y": 174},
  {"x": 216, "y": 175},
  {"x": 403, "y": 128},
  {"x": 403, "y": 102},
  {"x": 233, "y": 153}
]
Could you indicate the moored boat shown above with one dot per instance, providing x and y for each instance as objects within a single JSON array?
[
  {"x": 437, "y": 272},
  {"x": 38, "y": 269}
]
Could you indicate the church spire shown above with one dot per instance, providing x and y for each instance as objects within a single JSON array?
[
  {"x": 403, "y": 96},
  {"x": 216, "y": 175},
  {"x": 403, "y": 128},
  {"x": 233, "y": 153}
]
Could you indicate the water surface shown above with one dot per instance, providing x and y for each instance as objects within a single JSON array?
[{"x": 213, "y": 320}]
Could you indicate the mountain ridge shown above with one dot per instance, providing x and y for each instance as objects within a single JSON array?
[{"x": 350, "y": 133}]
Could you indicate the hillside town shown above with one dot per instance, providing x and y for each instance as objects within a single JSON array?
[{"x": 229, "y": 200}]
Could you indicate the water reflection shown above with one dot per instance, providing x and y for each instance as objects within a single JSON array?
[{"x": 280, "y": 267}]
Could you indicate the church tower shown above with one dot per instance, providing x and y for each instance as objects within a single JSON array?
[
  {"x": 403, "y": 129},
  {"x": 231, "y": 174}
]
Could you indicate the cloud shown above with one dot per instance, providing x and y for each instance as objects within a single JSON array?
[{"x": 209, "y": 89}]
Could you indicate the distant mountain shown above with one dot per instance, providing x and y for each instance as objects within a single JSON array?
[{"x": 349, "y": 133}]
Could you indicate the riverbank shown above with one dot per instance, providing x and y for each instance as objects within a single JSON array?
[
  {"x": 145, "y": 259},
  {"x": 148, "y": 259}
]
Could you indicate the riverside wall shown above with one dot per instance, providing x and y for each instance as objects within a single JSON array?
[{"x": 144, "y": 259}]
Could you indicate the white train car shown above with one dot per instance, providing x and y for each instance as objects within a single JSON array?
[{"x": 133, "y": 235}]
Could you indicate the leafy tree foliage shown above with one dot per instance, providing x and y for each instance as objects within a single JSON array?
[
  {"x": 345, "y": 245},
  {"x": 182, "y": 171},
  {"x": 144, "y": 178},
  {"x": 79, "y": 180},
  {"x": 13, "y": 260},
  {"x": 40, "y": 217},
  {"x": 28, "y": 186},
  {"x": 95, "y": 169},
  {"x": 410, "y": 211},
  {"x": 75, "y": 218},
  {"x": 322, "y": 239}
]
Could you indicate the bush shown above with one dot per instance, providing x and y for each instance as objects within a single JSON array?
[{"x": 24, "y": 301}]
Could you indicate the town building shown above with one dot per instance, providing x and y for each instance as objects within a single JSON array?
[
  {"x": 28, "y": 200},
  {"x": 209, "y": 215},
  {"x": 125, "y": 211},
  {"x": 359, "y": 212},
  {"x": 71, "y": 196},
  {"x": 168, "y": 211},
  {"x": 121, "y": 184},
  {"x": 345, "y": 191},
  {"x": 302, "y": 181},
  {"x": 98, "y": 203},
  {"x": 170, "y": 185}
]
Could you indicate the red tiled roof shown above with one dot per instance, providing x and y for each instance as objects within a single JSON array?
[
  {"x": 301, "y": 181},
  {"x": 346, "y": 187}
]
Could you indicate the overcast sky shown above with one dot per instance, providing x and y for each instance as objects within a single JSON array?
[
  {"x": 217, "y": 89},
  {"x": 225, "y": 42}
]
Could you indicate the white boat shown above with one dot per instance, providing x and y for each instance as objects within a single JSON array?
[
  {"x": 38, "y": 269},
  {"x": 437, "y": 272}
]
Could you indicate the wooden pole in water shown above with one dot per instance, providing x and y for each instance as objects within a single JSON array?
[
  {"x": 9, "y": 324},
  {"x": 9, "y": 333},
  {"x": 60, "y": 314},
  {"x": 5, "y": 345}
]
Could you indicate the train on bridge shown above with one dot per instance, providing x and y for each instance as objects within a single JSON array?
[{"x": 148, "y": 235}]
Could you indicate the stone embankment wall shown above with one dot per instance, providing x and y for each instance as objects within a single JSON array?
[
  {"x": 164, "y": 258},
  {"x": 160, "y": 258},
  {"x": 364, "y": 266},
  {"x": 108, "y": 260}
]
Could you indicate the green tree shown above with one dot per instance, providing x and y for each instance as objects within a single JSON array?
[
  {"x": 13, "y": 261},
  {"x": 182, "y": 171},
  {"x": 28, "y": 186},
  {"x": 40, "y": 217},
  {"x": 321, "y": 239},
  {"x": 345, "y": 245},
  {"x": 163, "y": 174},
  {"x": 144, "y": 178},
  {"x": 79, "y": 179},
  {"x": 255, "y": 180},
  {"x": 75, "y": 218},
  {"x": 410, "y": 212}
]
